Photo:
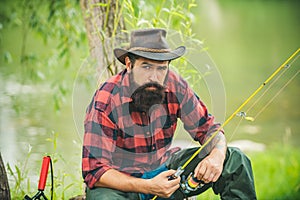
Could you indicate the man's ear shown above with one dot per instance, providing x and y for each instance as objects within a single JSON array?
[{"x": 128, "y": 64}]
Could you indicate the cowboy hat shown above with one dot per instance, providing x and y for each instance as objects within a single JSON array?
[{"x": 150, "y": 44}]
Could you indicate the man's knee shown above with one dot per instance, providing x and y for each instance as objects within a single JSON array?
[
  {"x": 236, "y": 158},
  {"x": 237, "y": 168},
  {"x": 236, "y": 163},
  {"x": 235, "y": 151},
  {"x": 237, "y": 177}
]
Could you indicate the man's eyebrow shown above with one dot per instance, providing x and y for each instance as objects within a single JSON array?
[
  {"x": 146, "y": 63},
  {"x": 159, "y": 65}
]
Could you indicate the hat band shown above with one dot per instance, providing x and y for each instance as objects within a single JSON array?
[{"x": 150, "y": 50}]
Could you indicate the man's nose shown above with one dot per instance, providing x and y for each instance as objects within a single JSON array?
[{"x": 154, "y": 76}]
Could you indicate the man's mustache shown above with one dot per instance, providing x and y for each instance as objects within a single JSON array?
[
  {"x": 150, "y": 86},
  {"x": 147, "y": 95}
]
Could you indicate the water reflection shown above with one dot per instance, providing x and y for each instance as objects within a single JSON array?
[{"x": 21, "y": 114}]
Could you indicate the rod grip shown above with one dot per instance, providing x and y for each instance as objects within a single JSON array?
[{"x": 44, "y": 173}]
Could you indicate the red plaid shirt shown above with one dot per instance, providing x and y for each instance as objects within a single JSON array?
[{"x": 134, "y": 142}]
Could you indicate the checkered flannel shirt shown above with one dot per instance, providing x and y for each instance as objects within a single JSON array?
[{"x": 135, "y": 142}]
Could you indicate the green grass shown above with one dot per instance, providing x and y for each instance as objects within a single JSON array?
[{"x": 276, "y": 173}]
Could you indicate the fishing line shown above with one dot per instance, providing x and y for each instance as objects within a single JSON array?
[
  {"x": 281, "y": 89},
  {"x": 236, "y": 128},
  {"x": 244, "y": 115},
  {"x": 270, "y": 86},
  {"x": 266, "y": 90}
]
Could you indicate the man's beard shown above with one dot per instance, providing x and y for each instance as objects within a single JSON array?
[{"x": 148, "y": 95}]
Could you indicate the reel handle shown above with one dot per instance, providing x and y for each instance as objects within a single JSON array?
[{"x": 178, "y": 172}]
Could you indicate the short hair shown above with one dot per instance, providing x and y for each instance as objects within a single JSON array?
[{"x": 132, "y": 57}]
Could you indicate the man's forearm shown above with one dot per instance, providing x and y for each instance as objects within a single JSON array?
[
  {"x": 219, "y": 150},
  {"x": 218, "y": 143},
  {"x": 210, "y": 168},
  {"x": 160, "y": 185},
  {"x": 119, "y": 181}
]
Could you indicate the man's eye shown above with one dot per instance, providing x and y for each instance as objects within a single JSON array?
[
  {"x": 162, "y": 68},
  {"x": 146, "y": 67}
]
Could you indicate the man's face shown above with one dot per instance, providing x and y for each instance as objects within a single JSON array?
[
  {"x": 148, "y": 77},
  {"x": 146, "y": 71}
]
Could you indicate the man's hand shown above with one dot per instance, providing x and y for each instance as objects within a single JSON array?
[
  {"x": 162, "y": 186},
  {"x": 210, "y": 168}
]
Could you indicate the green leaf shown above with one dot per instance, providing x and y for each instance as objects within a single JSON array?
[
  {"x": 136, "y": 9},
  {"x": 19, "y": 176},
  {"x": 68, "y": 186},
  {"x": 7, "y": 57},
  {"x": 63, "y": 52},
  {"x": 28, "y": 184},
  {"x": 191, "y": 5},
  {"x": 10, "y": 170}
]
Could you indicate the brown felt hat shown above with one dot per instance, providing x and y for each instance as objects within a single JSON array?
[{"x": 150, "y": 44}]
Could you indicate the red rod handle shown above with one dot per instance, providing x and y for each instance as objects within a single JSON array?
[{"x": 44, "y": 173}]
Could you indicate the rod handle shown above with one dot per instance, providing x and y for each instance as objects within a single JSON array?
[{"x": 44, "y": 173}]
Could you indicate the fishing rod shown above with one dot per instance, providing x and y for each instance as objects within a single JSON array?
[{"x": 190, "y": 182}]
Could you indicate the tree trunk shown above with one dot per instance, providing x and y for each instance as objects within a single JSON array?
[
  {"x": 104, "y": 25},
  {"x": 4, "y": 187}
]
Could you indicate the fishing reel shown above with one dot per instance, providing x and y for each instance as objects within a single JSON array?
[{"x": 190, "y": 184}]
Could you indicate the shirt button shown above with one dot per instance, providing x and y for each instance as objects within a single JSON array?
[{"x": 153, "y": 148}]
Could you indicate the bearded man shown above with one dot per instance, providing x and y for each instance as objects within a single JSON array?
[{"x": 130, "y": 124}]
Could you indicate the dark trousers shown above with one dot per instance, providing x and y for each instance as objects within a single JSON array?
[{"x": 235, "y": 182}]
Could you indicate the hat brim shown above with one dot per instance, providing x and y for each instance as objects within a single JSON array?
[{"x": 176, "y": 53}]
